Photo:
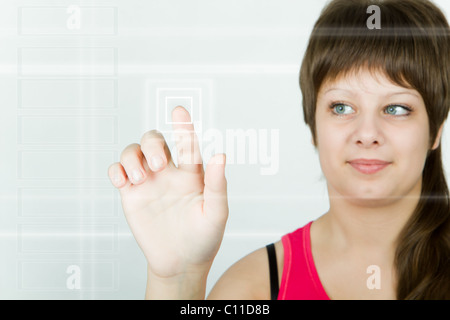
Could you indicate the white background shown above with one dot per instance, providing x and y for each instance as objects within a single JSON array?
[{"x": 72, "y": 99}]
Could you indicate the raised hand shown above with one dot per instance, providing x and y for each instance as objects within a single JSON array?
[{"x": 177, "y": 214}]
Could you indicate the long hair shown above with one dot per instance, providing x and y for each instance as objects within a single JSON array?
[{"x": 412, "y": 48}]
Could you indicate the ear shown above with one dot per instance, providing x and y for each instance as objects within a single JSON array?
[{"x": 438, "y": 138}]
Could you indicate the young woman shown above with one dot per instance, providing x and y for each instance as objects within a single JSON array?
[{"x": 376, "y": 101}]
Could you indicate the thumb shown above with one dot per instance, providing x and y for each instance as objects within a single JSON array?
[{"x": 215, "y": 205}]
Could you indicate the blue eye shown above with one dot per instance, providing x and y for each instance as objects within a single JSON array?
[
  {"x": 340, "y": 108},
  {"x": 397, "y": 110}
]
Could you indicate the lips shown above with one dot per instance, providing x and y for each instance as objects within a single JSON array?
[{"x": 369, "y": 166}]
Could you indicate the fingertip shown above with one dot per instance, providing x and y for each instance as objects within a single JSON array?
[
  {"x": 179, "y": 108},
  {"x": 117, "y": 176},
  {"x": 181, "y": 115}
]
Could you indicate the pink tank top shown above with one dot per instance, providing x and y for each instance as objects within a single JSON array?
[{"x": 300, "y": 280}]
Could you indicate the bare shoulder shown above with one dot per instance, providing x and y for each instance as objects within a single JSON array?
[{"x": 248, "y": 278}]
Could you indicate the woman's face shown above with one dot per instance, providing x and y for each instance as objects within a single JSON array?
[{"x": 372, "y": 138}]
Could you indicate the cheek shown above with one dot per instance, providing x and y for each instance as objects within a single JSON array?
[
  {"x": 330, "y": 147},
  {"x": 411, "y": 148}
]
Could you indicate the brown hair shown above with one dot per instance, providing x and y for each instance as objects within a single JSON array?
[{"x": 412, "y": 48}]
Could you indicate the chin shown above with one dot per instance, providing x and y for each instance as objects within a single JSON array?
[{"x": 372, "y": 201}]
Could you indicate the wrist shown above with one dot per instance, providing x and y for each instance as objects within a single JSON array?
[{"x": 190, "y": 285}]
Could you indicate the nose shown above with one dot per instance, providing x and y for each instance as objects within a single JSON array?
[{"x": 368, "y": 132}]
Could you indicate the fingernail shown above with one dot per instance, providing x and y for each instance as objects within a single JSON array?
[
  {"x": 137, "y": 175},
  {"x": 117, "y": 179},
  {"x": 157, "y": 162}
]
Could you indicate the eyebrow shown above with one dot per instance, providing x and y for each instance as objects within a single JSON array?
[{"x": 387, "y": 95}]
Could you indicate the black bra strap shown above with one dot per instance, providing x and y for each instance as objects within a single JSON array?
[{"x": 273, "y": 269}]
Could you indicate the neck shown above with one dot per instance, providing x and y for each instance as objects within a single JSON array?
[{"x": 368, "y": 226}]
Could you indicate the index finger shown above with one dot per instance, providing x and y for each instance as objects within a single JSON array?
[{"x": 188, "y": 150}]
